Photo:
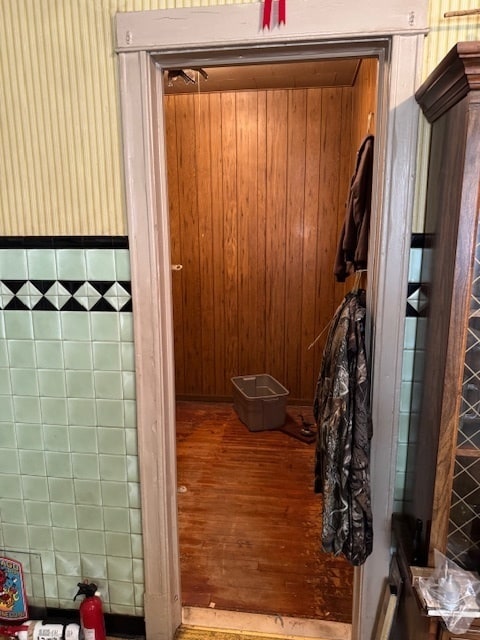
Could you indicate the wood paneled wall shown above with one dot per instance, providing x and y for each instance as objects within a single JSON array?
[
  {"x": 257, "y": 185},
  {"x": 364, "y": 100}
]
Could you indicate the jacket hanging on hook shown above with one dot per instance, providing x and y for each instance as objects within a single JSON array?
[
  {"x": 352, "y": 251},
  {"x": 344, "y": 430}
]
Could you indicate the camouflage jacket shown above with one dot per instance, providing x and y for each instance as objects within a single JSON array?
[{"x": 344, "y": 429}]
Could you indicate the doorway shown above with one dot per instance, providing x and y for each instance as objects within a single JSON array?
[
  {"x": 150, "y": 41},
  {"x": 260, "y": 159},
  {"x": 259, "y": 164}
]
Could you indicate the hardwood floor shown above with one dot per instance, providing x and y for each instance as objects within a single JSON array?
[{"x": 249, "y": 522}]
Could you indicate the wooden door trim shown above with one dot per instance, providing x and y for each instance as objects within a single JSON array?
[
  {"x": 145, "y": 194},
  {"x": 147, "y": 212},
  {"x": 238, "y": 25}
]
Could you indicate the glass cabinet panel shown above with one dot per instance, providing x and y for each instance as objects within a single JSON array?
[{"x": 463, "y": 544}]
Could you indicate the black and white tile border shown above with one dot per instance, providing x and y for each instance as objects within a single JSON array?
[
  {"x": 417, "y": 292},
  {"x": 65, "y": 295},
  {"x": 99, "y": 295}
]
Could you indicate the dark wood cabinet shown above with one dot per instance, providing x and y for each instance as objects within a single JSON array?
[{"x": 446, "y": 472}]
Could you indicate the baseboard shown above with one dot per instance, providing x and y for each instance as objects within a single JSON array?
[{"x": 274, "y": 625}]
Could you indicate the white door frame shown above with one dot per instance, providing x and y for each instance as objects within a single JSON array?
[{"x": 150, "y": 40}]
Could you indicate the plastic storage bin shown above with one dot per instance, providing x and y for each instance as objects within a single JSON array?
[{"x": 260, "y": 401}]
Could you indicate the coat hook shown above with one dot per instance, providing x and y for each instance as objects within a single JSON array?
[{"x": 369, "y": 121}]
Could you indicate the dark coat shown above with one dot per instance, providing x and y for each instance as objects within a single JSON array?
[{"x": 352, "y": 251}]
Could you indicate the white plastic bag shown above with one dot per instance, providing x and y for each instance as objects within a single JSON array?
[{"x": 452, "y": 594}]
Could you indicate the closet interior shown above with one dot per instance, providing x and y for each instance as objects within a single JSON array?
[{"x": 260, "y": 159}]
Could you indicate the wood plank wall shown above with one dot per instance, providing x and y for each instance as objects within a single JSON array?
[
  {"x": 258, "y": 182},
  {"x": 364, "y": 101}
]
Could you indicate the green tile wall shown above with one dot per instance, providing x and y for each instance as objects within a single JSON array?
[
  {"x": 68, "y": 439},
  {"x": 68, "y": 446},
  {"x": 412, "y": 380}
]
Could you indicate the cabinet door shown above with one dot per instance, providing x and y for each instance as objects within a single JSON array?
[
  {"x": 463, "y": 543},
  {"x": 447, "y": 467},
  {"x": 456, "y": 304}
]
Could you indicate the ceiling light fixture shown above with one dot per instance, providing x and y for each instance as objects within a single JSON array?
[{"x": 174, "y": 74}]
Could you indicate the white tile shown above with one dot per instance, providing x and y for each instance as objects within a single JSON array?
[
  {"x": 405, "y": 396},
  {"x": 29, "y": 295},
  {"x": 122, "y": 265},
  {"x": 126, "y": 326},
  {"x": 100, "y": 264},
  {"x": 41, "y": 264},
  {"x": 410, "y": 333},
  {"x": 87, "y": 295},
  {"x": 13, "y": 264},
  {"x": 105, "y": 326},
  {"x": 408, "y": 364},
  {"x": 6, "y": 295},
  {"x": 18, "y": 325},
  {"x": 401, "y": 458},
  {"x": 58, "y": 295},
  {"x": 117, "y": 296},
  {"x": 403, "y": 427},
  {"x": 71, "y": 264},
  {"x": 418, "y": 300},
  {"x": 415, "y": 265},
  {"x": 399, "y": 486},
  {"x": 94, "y": 566},
  {"x": 46, "y": 325}
]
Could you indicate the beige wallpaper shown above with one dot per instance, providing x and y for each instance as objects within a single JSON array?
[
  {"x": 444, "y": 34},
  {"x": 60, "y": 155}
]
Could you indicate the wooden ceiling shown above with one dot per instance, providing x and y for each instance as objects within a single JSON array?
[{"x": 340, "y": 72}]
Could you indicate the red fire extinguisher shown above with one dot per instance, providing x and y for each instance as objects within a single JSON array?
[{"x": 91, "y": 612}]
